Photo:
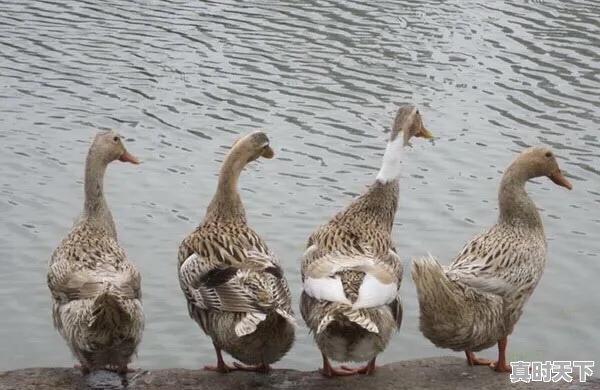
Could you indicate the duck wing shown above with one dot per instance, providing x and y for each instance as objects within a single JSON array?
[
  {"x": 333, "y": 276},
  {"x": 497, "y": 262},
  {"x": 236, "y": 278},
  {"x": 80, "y": 270}
]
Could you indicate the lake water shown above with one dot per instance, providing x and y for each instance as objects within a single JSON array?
[{"x": 181, "y": 80}]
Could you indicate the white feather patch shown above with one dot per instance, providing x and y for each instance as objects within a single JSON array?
[
  {"x": 247, "y": 325},
  {"x": 327, "y": 289},
  {"x": 391, "y": 164},
  {"x": 373, "y": 293}
]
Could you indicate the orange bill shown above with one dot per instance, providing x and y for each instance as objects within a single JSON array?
[
  {"x": 128, "y": 157},
  {"x": 424, "y": 133},
  {"x": 267, "y": 152},
  {"x": 558, "y": 178}
]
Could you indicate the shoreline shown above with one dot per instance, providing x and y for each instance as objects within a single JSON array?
[{"x": 418, "y": 374}]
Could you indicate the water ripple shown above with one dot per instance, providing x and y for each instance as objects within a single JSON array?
[{"x": 183, "y": 80}]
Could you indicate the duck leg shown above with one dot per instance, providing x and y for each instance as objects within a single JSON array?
[
  {"x": 500, "y": 365},
  {"x": 262, "y": 368},
  {"x": 330, "y": 371},
  {"x": 473, "y": 360},
  {"x": 221, "y": 366},
  {"x": 368, "y": 369}
]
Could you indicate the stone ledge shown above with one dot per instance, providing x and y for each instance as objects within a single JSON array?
[{"x": 421, "y": 374}]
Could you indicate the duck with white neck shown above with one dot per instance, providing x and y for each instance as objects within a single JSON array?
[{"x": 350, "y": 270}]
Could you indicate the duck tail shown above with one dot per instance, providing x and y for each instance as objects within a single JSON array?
[
  {"x": 434, "y": 289},
  {"x": 442, "y": 303},
  {"x": 449, "y": 309},
  {"x": 107, "y": 310}
]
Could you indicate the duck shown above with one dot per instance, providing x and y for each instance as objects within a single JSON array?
[
  {"x": 96, "y": 291},
  {"x": 475, "y": 302},
  {"x": 234, "y": 284},
  {"x": 351, "y": 273}
]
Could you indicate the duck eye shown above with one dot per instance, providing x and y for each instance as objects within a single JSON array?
[
  {"x": 548, "y": 154},
  {"x": 116, "y": 138}
]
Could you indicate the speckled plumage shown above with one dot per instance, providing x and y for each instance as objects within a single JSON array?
[
  {"x": 354, "y": 319},
  {"x": 477, "y": 300},
  {"x": 233, "y": 283},
  {"x": 96, "y": 292},
  {"x": 363, "y": 229}
]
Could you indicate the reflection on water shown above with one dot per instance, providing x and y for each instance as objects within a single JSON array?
[{"x": 181, "y": 80}]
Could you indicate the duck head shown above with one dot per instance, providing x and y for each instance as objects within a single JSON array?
[
  {"x": 537, "y": 162},
  {"x": 252, "y": 146},
  {"x": 407, "y": 124},
  {"x": 108, "y": 146},
  {"x": 226, "y": 203}
]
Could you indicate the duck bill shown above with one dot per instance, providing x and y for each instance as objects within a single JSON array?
[
  {"x": 267, "y": 152},
  {"x": 128, "y": 157},
  {"x": 424, "y": 133},
  {"x": 558, "y": 178}
]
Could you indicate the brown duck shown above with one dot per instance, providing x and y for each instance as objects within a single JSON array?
[
  {"x": 476, "y": 301},
  {"x": 350, "y": 271},
  {"x": 233, "y": 283},
  {"x": 96, "y": 291}
]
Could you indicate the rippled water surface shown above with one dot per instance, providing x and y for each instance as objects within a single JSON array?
[{"x": 181, "y": 80}]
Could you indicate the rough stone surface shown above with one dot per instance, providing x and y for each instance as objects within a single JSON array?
[{"x": 434, "y": 373}]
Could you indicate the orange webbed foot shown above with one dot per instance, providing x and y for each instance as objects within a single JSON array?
[
  {"x": 473, "y": 360},
  {"x": 222, "y": 368},
  {"x": 262, "y": 368},
  {"x": 501, "y": 367},
  {"x": 330, "y": 372},
  {"x": 368, "y": 369}
]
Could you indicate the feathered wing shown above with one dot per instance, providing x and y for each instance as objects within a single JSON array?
[
  {"x": 324, "y": 276},
  {"x": 96, "y": 294},
  {"x": 454, "y": 315},
  {"x": 382, "y": 276},
  {"x": 68, "y": 282},
  {"x": 494, "y": 263},
  {"x": 214, "y": 277}
]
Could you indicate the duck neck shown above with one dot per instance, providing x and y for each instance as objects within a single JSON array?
[
  {"x": 516, "y": 207},
  {"x": 391, "y": 163},
  {"x": 96, "y": 209},
  {"x": 226, "y": 203}
]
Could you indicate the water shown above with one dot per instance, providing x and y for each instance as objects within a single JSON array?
[{"x": 181, "y": 81}]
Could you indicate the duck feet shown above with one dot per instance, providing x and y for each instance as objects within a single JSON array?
[
  {"x": 500, "y": 365},
  {"x": 368, "y": 369},
  {"x": 221, "y": 366},
  {"x": 262, "y": 368},
  {"x": 330, "y": 371},
  {"x": 473, "y": 360}
]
